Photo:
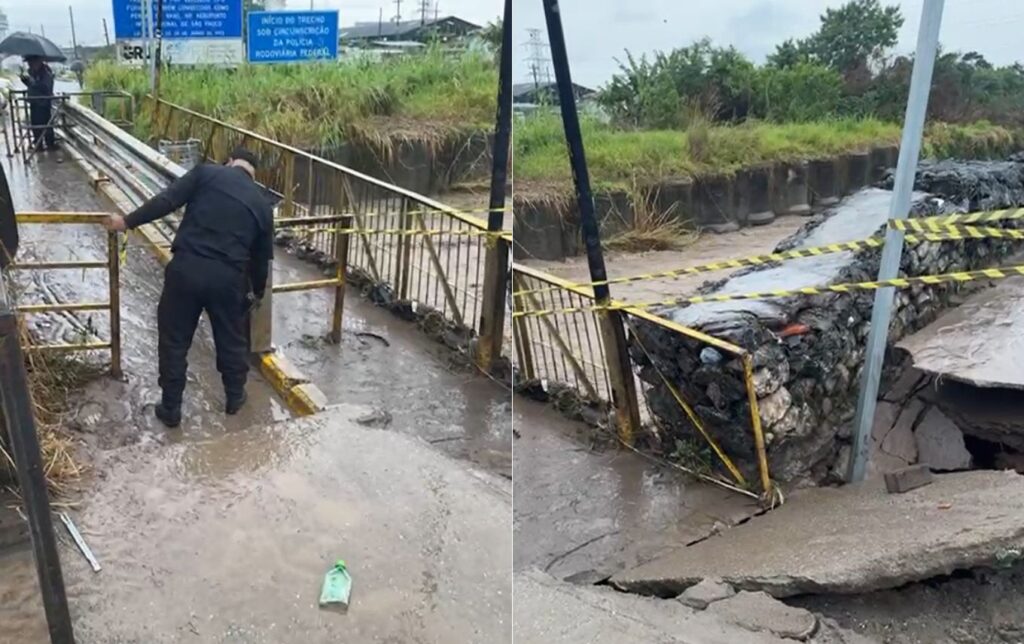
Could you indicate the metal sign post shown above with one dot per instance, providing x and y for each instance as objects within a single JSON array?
[
  {"x": 881, "y": 313},
  {"x": 612, "y": 330}
]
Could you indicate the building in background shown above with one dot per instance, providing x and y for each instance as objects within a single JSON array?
[{"x": 407, "y": 33}]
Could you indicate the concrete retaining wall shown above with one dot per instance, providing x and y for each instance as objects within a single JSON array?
[{"x": 753, "y": 196}]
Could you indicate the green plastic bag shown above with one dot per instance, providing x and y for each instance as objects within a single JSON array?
[{"x": 337, "y": 586}]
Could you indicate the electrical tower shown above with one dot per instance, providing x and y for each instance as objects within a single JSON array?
[
  {"x": 537, "y": 58},
  {"x": 398, "y": 12},
  {"x": 425, "y": 7}
]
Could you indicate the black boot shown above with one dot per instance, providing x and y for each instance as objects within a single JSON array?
[
  {"x": 235, "y": 402},
  {"x": 169, "y": 415}
]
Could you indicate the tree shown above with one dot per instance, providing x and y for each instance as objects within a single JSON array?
[
  {"x": 856, "y": 35},
  {"x": 789, "y": 53}
]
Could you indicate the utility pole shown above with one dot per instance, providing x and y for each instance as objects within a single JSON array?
[
  {"x": 437, "y": 10},
  {"x": 74, "y": 40},
  {"x": 492, "y": 318},
  {"x": 611, "y": 322},
  {"x": 424, "y": 11},
  {"x": 42, "y": 30},
  {"x": 106, "y": 33},
  {"x": 899, "y": 208},
  {"x": 380, "y": 23},
  {"x": 398, "y": 11}
]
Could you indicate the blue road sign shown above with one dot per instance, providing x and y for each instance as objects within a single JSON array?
[
  {"x": 182, "y": 20},
  {"x": 290, "y": 36}
]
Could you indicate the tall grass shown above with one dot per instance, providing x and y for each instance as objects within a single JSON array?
[
  {"x": 326, "y": 104},
  {"x": 618, "y": 158}
]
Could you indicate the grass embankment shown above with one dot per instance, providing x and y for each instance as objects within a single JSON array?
[
  {"x": 428, "y": 95},
  {"x": 623, "y": 159}
]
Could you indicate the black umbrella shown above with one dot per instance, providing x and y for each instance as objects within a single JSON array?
[{"x": 22, "y": 44}]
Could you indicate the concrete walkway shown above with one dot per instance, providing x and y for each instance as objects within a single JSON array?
[
  {"x": 227, "y": 539},
  {"x": 855, "y": 539}
]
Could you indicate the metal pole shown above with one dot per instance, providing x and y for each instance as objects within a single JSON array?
[
  {"x": 74, "y": 40},
  {"x": 881, "y": 313},
  {"x": 341, "y": 275},
  {"x": 620, "y": 369},
  {"x": 158, "y": 54},
  {"x": 114, "y": 277},
  {"x": 106, "y": 32},
  {"x": 492, "y": 321},
  {"x": 16, "y": 401},
  {"x": 147, "y": 34}
]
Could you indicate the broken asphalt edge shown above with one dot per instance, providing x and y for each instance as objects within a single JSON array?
[{"x": 301, "y": 396}]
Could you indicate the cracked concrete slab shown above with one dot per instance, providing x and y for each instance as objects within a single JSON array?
[
  {"x": 978, "y": 342},
  {"x": 547, "y": 610},
  {"x": 854, "y": 539}
]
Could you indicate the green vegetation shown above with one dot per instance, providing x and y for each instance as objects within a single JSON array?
[
  {"x": 702, "y": 109},
  {"x": 620, "y": 159},
  {"x": 430, "y": 95}
]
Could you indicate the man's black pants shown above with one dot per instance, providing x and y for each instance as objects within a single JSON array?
[
  {"x": 193, "y": 284},
  {"x": 40, "y": 116}
]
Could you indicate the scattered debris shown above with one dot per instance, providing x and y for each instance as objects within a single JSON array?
[
  {"x": 907, "y": 479},
  {"x": 79, "y": 541},
  {"x": 707, "y": 592},
  {"x": 366, "y": 334},
  {"x": 760, "y": 612},
  {"x": 337, "y": 586},
  {"x": 376, "y": 418}
]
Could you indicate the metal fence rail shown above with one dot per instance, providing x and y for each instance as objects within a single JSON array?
[
  {"x": 568, "y": 353},
  {"x": 113, "y": 304},
  {"x": 443, "y": 271}
]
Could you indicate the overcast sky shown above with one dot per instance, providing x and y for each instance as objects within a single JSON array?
[
  {"x": 52, "y": 15},
  {"x": 597, "y": 31}
]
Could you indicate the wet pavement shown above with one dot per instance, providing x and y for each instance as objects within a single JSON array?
[
  {"x": 979, "y": 342},
  {"x": 585, "y": 512},
  {"x": 222, "y": 502}
]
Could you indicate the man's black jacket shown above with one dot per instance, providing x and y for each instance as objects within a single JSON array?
[{"x": 228, "y": 217}]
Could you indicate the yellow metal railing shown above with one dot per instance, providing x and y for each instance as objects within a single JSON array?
[
  {"x": 570, "y": 352},
  {"x": 112, "y": 305},
  {"x": 441, "y": 272}
]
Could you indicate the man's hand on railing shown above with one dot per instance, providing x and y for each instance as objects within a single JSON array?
[{"x": 115, "y": 223}]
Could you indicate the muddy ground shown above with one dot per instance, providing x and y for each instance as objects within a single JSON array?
[
  {"x": 167, "y": 487},
  {"x": 981, "y": 607}
]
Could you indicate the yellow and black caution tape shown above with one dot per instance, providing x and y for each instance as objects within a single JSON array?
[
  {"x": 403, "y": 232},
  {"x": 955, "y": 231},
  {"x": 980, "y": 217},
  {"x": 899, "y": 282},
  {"x": 123, "y": 251},
  {"x": 931, "y": 231}
]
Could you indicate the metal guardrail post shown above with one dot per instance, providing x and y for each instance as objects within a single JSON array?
[
  {"x": 261, "y": 320},
  {"x": 404, "y": 255},
  {"x": 906, "y": 169},
  {"x": 620, "y": 369},
  {"x": 341, "y": 257},
  {"x": 289, "y": 185},
  {"x": 492, "y": 317},
  {"x": 114, "y": 268},
  {"x": 16, "y": 399}
]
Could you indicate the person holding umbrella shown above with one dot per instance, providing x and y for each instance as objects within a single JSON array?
[
  {"x": 36, "y": 51},
  {"x": 39, "y": 83}
]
